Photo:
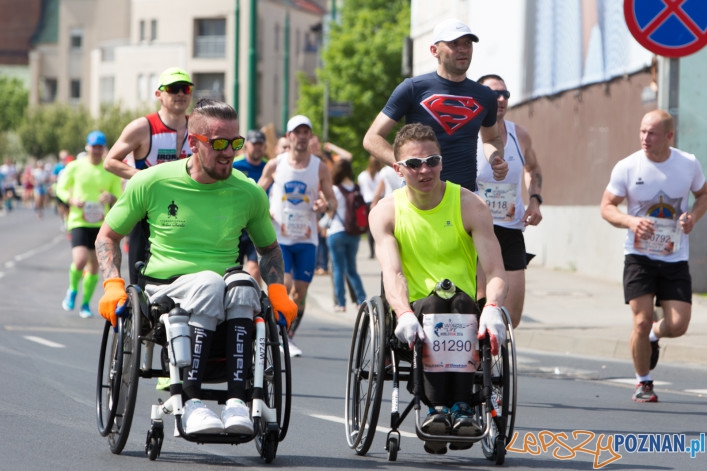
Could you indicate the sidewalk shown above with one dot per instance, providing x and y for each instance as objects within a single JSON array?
[{"x": 565, "y": 312}]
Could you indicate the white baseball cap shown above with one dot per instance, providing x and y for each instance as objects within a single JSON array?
[
  {"x": 298, "y": 120},
  {"x": 451, "y": 29}
]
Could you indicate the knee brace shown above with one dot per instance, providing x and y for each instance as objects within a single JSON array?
[{"x": 242, "y": 297}]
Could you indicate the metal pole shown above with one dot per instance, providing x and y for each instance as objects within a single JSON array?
[
  {"x": 286, "y": 70},
  {"x": 236, "y": 56},
  {"x": 253, "y": 66}
]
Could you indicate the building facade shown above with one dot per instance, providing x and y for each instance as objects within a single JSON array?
[{"x": 91, "y": 52}]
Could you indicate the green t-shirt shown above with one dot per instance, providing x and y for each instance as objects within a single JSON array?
[
  {"x": 84, "y": 181},
  {"x": 193, "y": 226},
  {"x": 434, "y": 245}
]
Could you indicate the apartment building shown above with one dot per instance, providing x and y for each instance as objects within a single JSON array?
[{"x": 91, "y": 52}]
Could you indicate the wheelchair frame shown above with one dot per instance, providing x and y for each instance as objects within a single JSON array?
[
  {"x": 376, "y": 355},
  {"x": 121, "y": 365}
]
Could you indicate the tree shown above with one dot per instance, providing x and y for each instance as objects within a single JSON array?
[
  {"x": 48, "y": 129},
  {"x": 14, "y": 98},
  {"x": 362, "y": 65}
]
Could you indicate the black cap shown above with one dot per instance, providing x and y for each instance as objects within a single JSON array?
[{"x": 255, "y": 136}]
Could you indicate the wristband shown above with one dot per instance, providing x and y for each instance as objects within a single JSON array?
[
  {"x": 404, "y": 312},
  {"x": 537, "y": 197}
]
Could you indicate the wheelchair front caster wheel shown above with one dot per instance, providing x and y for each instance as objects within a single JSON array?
[
  {"x": 393, "y": 447},
  {"x": 153, "y": 443}
]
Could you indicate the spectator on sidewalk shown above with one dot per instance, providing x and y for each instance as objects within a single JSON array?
[
  {"x": 343, "y": 246},
  {"x": 656, "y": 182},
  {"x": 368, "y": 182}
]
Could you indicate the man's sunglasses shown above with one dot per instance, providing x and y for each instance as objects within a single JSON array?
[
  {"x": 221, "y": 143},
  {"x": 502, "y": 93},
  {"x": 175, "y": 88},
  {"x": 415, "y": 163}
]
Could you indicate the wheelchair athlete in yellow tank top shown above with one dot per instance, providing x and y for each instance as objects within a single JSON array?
[{"x": 425, "y": 232}]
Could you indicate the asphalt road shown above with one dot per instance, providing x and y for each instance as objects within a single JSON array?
[{"x": 48, "y": 361}]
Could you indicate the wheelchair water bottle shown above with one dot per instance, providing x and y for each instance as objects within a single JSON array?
[
  {"x": 445, "y": 289},
  {"x": 179, "y": 338}
]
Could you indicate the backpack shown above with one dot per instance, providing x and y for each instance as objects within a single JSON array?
[{"x": 356, "y": 220}]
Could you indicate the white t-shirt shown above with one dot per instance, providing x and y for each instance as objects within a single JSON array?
[
  {"x": 391, "y": 180},
  {"x": 657, "y": 189},
  {"x": 368, "y": 185}
]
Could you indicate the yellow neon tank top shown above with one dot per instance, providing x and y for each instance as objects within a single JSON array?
[{"x": 434, "y": 245}]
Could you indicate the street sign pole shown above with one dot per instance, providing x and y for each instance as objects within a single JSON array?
[{"x": 669, "y": 88}]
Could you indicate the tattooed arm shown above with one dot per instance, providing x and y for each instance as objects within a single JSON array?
[
  {"x": 108, "y": 252},
  {"x": 272, "y": 267}
]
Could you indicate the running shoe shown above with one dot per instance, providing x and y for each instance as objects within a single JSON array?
[
  {"x": 295, "y": 351},
  {"x": 655, "y": 351},
  {"x": 462, "y": 422},
  {"x": 437, "y": 422},
  {"x": 236, "y": 417},
  {"x": 69, "y": 301},
  {"x": 644, "y": 392},
  {"x": 198, "y": 418},
  {"x": 85, "y": 311}
]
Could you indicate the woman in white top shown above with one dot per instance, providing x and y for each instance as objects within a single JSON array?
[
  {"x": 343, "y": 247},
  {"x": 368, "y": 182}
]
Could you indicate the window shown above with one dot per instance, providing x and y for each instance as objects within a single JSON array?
[
  {"x": 153, "y": 30},
  {"x": 142, "y": 30},
  {"x": 75, "y": 89},
  {"x": 142, "y": 90},
  {"x": 209, "y": 86},
  {"x": 75, "y": 38},
  {"x": 107, "y": 89},
  {"x": 277, "y": 37},
  {"x": 48, "y": 90},
  {"x": 210, "y": 39}
]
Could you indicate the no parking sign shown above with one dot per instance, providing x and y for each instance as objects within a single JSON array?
[{"x": 671, "y": 28}]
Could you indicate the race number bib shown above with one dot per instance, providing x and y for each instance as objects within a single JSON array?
[
  {"x": 665, "y": 239},
  {"x": 296, "y": 223},
  {"x": 450, "y": 345},
  {"x": 500, "y": 198},
  {"x": 93, "y": 212}
]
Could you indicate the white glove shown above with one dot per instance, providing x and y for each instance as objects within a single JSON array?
[
  {"x": 491, "y": 321},
  {"x": 408, "y": 327}
]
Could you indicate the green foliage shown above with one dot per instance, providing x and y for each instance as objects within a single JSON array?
[
  {"x": 14, "y": 98},
  {"x": 48, "y": 129},
  {"x": 362, "y": 65}
]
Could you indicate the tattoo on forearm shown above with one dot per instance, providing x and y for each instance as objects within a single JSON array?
[
  {"x": 539, "y": 180},
  {"x": 109, "y": 258},
  {"x": 272, "y": 268}
]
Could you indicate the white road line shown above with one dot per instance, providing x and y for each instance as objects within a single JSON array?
[
  {"x": 340, "y": 420},
  {"x": 45, "y": 342},
  {"x": 697, "y": 391}
]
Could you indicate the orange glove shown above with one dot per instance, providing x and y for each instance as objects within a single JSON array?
[
  {"x": 113, "y": 298},
  {"x": 282, "y": 303}
]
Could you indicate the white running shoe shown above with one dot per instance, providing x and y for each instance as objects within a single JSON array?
[
  {"x": 236, "y": 417},
  {"x": 198, "y": 418},
  {"x": 295, "y": 351}
]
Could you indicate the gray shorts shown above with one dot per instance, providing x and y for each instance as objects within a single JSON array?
[{"x": 211, "y": 298}]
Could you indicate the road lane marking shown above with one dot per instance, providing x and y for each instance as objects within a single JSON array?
[
  {"x": 45, "y": 342},
  {"x": 38, "y": 328},
  {"x": 633, "y": 381},
  {"x": 340, "y": 420}
]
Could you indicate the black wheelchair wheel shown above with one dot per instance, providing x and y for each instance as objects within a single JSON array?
[
  {"x": 110, "y": 367},
  {"x": 130, "y": 328},
  {"x": 364, "y": 383},
  {"x": 286, "y": 383},
  {"x": 503, "y": 380},
  {"x": 267, "y": 437}
]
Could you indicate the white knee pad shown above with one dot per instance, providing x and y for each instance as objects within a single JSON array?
[{"x": 242, "y": 298}]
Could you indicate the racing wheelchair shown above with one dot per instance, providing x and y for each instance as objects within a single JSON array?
[
  {"x": 126, "y": 355},
  {"x": 377, "y": 356}
]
